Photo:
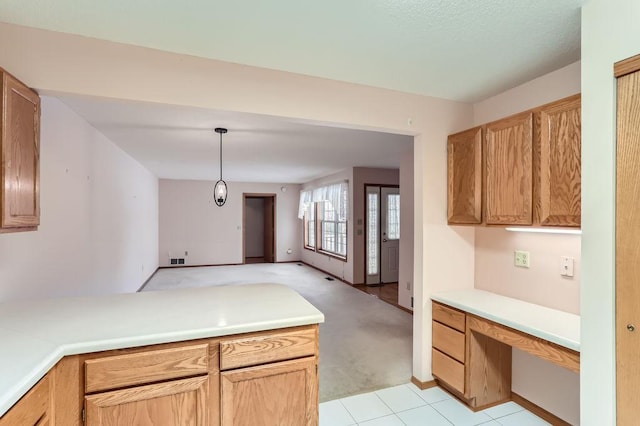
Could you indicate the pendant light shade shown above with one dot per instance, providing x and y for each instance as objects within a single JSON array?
[{"x": 220, "y": 190}]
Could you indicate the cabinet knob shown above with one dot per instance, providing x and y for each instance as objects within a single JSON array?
[{"x": 631, "y": 327}]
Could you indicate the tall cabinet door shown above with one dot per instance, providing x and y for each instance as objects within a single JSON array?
[
  {"x": 560, "y": 165},
  {"x": 464, "y": 177},
  {"x": 20, "y": 154},
  {"x": 173, "y": 403},
  {"x": 278, "y": 394},
  {"x": 628, "y": 248},
  {"x": 508, "y": 172}
]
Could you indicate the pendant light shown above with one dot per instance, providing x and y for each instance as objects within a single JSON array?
[{"x": 220, "y": 190}]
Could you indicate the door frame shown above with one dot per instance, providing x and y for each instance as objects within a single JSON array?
[
  {"x": 272, "y": 196},
  {"x": 364, "y": 206}
]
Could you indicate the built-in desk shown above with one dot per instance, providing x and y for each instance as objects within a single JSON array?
[{"x": 474, "y": 332}]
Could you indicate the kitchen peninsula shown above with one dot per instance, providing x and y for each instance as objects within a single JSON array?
[{"x": 194, "y": 352}]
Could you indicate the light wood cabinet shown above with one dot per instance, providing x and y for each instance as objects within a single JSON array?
[
  {"x": 508, "y": 171},
  {"x": 33, "y": 409},
  {"x": 520, "y": 170},
  {"x": 281, "y": 393},
  {"x": 20, "y": 156},
  {"x": 559, "y": 173},
  {"x": 172, "y": 403},
  {"x": 269, "y": 378},
  {"x": 464, "y": 169}
]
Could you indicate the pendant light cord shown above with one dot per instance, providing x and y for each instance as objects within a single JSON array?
[{"x": 220, "y": 156}]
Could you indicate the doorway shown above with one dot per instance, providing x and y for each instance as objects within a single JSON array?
[
  {"x": 259, "y": 228},
  {"x": 382, "y": 239}
]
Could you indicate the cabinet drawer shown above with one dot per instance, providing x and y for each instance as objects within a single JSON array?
[
  {"x": 448, "y": 370},
  {"x": 449, "y": 316},
  {"x": 448, "y": 341},
  {"x": 120, "y": 371},
  {"x": 270, "y": 347}
]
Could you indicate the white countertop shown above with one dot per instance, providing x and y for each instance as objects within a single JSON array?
[
  {"x": 549, "y": 324},
  {"x": 35, "y": 335}
]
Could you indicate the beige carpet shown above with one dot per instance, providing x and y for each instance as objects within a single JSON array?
[{"x": 365, "y": 344}]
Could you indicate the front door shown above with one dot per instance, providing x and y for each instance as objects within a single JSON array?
[
  {"x": 390, "y": 224},
  {"x": 383, "y": 234}
]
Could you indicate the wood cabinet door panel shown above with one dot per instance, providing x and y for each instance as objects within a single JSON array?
[
  {"x": 464, "y": 177},
  {"x": 20, "y": 155},
  {"x": 174, "y": 403},
  {"x": 448, "y": 341},
  {"x": 448, "y": 370},
  {"x": 278, "y": 394},
  {"x": 508, "y": 172},
  {"x": 560, "y": 163}
]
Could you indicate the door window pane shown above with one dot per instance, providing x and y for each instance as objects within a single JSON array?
[
  {"x": 393, "y": 216},
  {"x": 372, "y": 233}
]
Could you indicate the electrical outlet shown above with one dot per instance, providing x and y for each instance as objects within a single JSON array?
[
  {"x": 566, "y": 266},
  {"x": 521, "y": 258}
]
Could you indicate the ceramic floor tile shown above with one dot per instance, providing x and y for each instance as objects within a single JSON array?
[
  {"x": 383, "y": 421},
  {"x": 400, "y": 398},
  {"x": 431, "y": 395},
  {"x": 503, "y": 410},
  {"x": 523, "y": 418},
  {"x": 365, "y": 407},
  {"x": 333, "y": 413},
  {"x": 423, "y": 416},
  {"x": 459, "y": 414}
]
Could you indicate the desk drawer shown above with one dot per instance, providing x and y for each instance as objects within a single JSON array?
[
  {"x": 448, "y": 341},
  {"x": 449, "y": 316},
  {"x": 269, "y": 347},
  {"x": 448, "y": 370},
  {"x": 119, "y": 371}
]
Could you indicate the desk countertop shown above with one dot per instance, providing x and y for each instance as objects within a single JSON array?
[
  {"x": 35, "y": 335},
  {"x": 549, "y": 324}
]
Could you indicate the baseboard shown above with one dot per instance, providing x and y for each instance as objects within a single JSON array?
[
  {"x": 147, "y": 281},
  {"x": 538, "y": 411},
  {"x": 423, "y": 385},
  {"x": 326, "y": 272},
  {"x": 199, "y": 266}
]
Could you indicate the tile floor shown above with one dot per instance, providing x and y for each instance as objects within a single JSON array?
[{"x": 407, "y": 405}]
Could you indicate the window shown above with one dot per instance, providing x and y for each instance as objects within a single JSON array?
[
  {"x": 372, "y": 232},
  {"x": 310, "y": 227},
  {"x": 324, "y": 212}
]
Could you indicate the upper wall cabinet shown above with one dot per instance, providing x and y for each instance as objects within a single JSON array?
[
  {"x": 508, "y": 171},
  {"x": 464, "y": 157},
  {"x": 560, "y": 166},
  {"x": 20, "y": 155},
  {"x": 529, "y": 165}
]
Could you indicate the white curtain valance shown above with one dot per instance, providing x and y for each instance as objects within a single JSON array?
[{"x": 337, "y": 194}]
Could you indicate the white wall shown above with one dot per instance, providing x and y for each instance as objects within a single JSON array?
[
  {"x": 551, "y": 387},
  {"x": 610, "y": 33},
  {"x": 72, "y": 64},
  {"x": 254, "y": 227},
  {"x": 405, "y": 277},
  {"x": 191, "y": 222},
  {"x": 99, "y": 219}
]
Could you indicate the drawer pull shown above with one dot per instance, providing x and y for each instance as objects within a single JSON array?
[{"x": 631, "y": 327}]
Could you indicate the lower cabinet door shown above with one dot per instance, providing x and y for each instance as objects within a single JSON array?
[
  {"x": 174, "y": 403},
  {"x": 278, "y": 394}
]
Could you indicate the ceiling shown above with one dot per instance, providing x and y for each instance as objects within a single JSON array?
[
  {"x": 176, "y": 142},
  {"x": 465, "y": 50}
]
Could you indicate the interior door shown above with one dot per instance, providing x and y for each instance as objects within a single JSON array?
[
  {"x": 628, "y": 249},
  {"x": 390, "y": 226},
  {"x": 269, "y": 229}
]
